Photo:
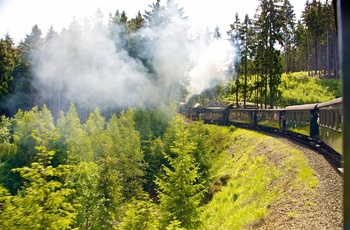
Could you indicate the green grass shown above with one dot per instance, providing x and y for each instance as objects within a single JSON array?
[{"x": 253, "y": 180}]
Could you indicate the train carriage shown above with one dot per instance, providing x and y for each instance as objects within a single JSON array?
[
  {"x": 269, "y": 118},
  {"x": 330, "y": 124},
  {"x": 215, "y": 115},
  {"x": 301, "y": 120},
  {"x": 244, "y": 117},
  {"x": 319, "y": 123}
]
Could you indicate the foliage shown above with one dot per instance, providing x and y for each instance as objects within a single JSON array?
[
  {"x": 140, "y": 213},
  {"x": 297, "y": 88},
  {"x": 109, "y": 186},
  {"x": 24, "y": 153},
  {"x": 8, "y": 61},
  {"x": 87, "y": 199},
  {"x": 73, "y": 137},
  {"x": 43, "y": 203},
  {"x": 179, "y": 191},
  {"x": 126, "y": 148},
  {"x": 198, "y": 174}
]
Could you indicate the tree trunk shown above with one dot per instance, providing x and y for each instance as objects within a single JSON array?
[
  {"x": 316, "y": 56},
  {"x": 245, "y": 82}
]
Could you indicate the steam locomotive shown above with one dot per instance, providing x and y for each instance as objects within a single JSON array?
[{"x": 319, "y": 123}]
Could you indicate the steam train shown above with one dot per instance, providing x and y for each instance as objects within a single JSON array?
[{"x": 319, "y": 123}]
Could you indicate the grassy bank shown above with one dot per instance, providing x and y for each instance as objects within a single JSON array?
[{"x": 251, "y": 174}]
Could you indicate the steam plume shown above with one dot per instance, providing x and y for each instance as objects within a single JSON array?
[{"x": 89, "y": 66}]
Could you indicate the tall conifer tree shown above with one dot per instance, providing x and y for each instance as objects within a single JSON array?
[{"x": 179, "y": 191}]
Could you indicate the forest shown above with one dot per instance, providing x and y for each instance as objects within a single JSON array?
[{"x": 89, "y": 134}]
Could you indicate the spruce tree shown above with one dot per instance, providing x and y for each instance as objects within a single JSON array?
[
  {"x": 8, "y": 59},
  {"x": 43, "y": 202},
  {"x": 125, "y": 145},
  {"x": 179, "y": 189}
]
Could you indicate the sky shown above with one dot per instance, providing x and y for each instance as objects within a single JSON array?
[{"x": 17, "y": 17}]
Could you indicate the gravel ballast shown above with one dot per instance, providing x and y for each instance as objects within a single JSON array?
[{"x": 298, "y": 210}]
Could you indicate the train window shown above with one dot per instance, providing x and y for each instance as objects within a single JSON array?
[
  {"x": 300, "y": 116},
  {"x": 331, "y": 119},
  {"x": 336, "y": 119},
  {"x": 322, "y": 118},
  {"x": 340, "y": 121}
]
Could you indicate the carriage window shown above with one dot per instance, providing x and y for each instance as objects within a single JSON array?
[
  {"x": 307, "y": 117},
  {"x": 322, "y": 118},
  {"x": 328, "y": 118},
  {"x": 336, "y": 119},
  {"x": 340, "y": 121}
]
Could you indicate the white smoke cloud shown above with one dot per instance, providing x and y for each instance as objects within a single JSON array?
[{"x": 90, "y": 67}]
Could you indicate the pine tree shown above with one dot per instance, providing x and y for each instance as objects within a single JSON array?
[
  {"x": 126, "y": 147},
  {"x": 269, "y": 23},
  {"x": 179, "y": 191},
  {"x": 153, "y": 17},
  {"x": 288, "y": 33},
  {"x": 28, "y": 53},
  {"x": 74, "y": 137},
  {"x": 23, "y": 125},
  {"x": 217, "y": 34},
  {"x": 88, "y": 199},
  {"x": 140, "y": 213},
  {"x": 48, "y": 88},
  {"x": 95, "y": 129},
  {"x": 8, "y": 59},
  {"x": 43, "y": 202},
  {"x": 236, "y": 39},
  {"x": 246, "y": 34},
  {"x": 109, "y": 186}
]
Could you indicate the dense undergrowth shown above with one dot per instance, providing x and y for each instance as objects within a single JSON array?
[
  {"x": 250, "y": 175},
  {"x": 298, "y": 88}
]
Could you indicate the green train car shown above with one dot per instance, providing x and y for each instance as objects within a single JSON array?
[
  {"x": 330, "y": 124},
  {"x": 301, "y": 120},
  {"x": 320, "y": 122}
]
